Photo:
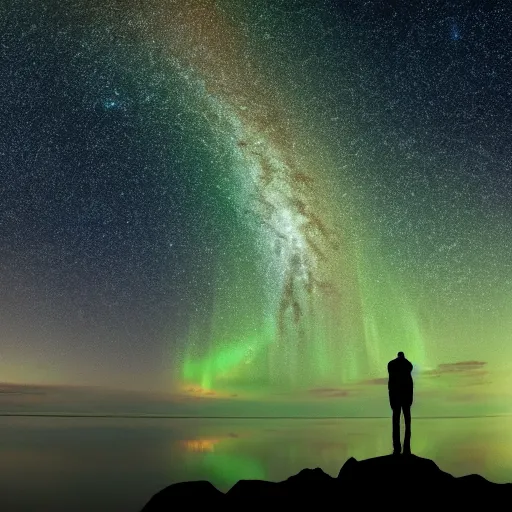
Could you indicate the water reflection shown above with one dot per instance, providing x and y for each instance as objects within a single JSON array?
[
  {"x": 276, "y": 449},
  {"x": 47, "y": 463},
  {"x": 199, "y": 445}
]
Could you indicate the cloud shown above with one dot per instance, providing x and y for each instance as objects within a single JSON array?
[
  {"x": 329, "y": 392},
  {"x": 460, "y": 368},
  {"x": 376, "y": 382},
  {"x": 20, "y": 389},
  {"x": 461, "y": 373},
  {"x": 68, "y": 399}
]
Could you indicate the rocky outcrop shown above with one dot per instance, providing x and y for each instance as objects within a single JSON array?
[{"x": 398, "y": 482}]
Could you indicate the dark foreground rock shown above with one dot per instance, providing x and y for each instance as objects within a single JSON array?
[{"x": 396, "y": 481}]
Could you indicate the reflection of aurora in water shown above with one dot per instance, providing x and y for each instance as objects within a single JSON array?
[
  {"x": 200, "y": 445},
  {"x": 298, "y": 304},
  {"x": 302, "y": 303},
  {"x": 224, "y": 465},
  {"x": 276, "y": 450}
]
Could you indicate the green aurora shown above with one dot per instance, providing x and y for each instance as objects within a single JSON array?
[{"x": 312, "y": 290}]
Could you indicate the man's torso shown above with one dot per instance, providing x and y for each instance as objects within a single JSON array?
[{"x": 400, "y": 383}]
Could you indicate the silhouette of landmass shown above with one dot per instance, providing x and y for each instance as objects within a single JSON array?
[{"x": 397, "y": 481}]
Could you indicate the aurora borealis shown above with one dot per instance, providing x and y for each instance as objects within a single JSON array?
[
  {"x": 307, "y": 319},
  {"x": 250, "y": 207}
]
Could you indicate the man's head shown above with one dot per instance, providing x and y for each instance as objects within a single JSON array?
[{"x": 400, "y": 354}]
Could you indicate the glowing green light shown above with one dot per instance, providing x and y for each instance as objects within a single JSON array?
[{"x": 229, "y": 468}]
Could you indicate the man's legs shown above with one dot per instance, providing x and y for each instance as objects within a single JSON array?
[
  {"x": 397, "y": 448},
  {"x": 407, "y": 437}
]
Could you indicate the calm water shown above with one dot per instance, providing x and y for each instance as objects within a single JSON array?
[{"x": 86, "y": 464}]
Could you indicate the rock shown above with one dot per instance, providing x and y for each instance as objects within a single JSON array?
[
  {"x": 256, "y": 489},
  {"x": 198, "y": 493},
  {"x": 347, "y": 470},
  {"x": 303, "y": 485},
  {"x": 398, "y": 481}
]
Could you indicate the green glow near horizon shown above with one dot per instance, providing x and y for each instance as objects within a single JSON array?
[
  {"x": 219, "y": 365},
  {"x": 228, "y": 468}
]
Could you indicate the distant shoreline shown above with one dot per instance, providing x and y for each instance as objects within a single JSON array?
[{"x": 166, "y": 417}]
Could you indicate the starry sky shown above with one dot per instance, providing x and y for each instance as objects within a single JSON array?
[{"x": 224, "y": 207}]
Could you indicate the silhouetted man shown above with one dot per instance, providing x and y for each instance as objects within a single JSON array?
[{"x": 400, "y": 398}]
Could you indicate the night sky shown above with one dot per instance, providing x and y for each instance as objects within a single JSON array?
[{"x": 243, "y": 207}]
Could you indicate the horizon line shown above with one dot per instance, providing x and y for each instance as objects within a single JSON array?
[{"x": 178, "y": 417}]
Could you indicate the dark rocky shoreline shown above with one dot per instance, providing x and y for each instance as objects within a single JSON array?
[{"x": 392, "y": 481}]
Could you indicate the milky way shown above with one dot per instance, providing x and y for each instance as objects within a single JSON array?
[{"x": 317, "y": 324}]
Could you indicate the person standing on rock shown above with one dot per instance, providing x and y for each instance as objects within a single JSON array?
[{"x": 400, "y": 387}]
